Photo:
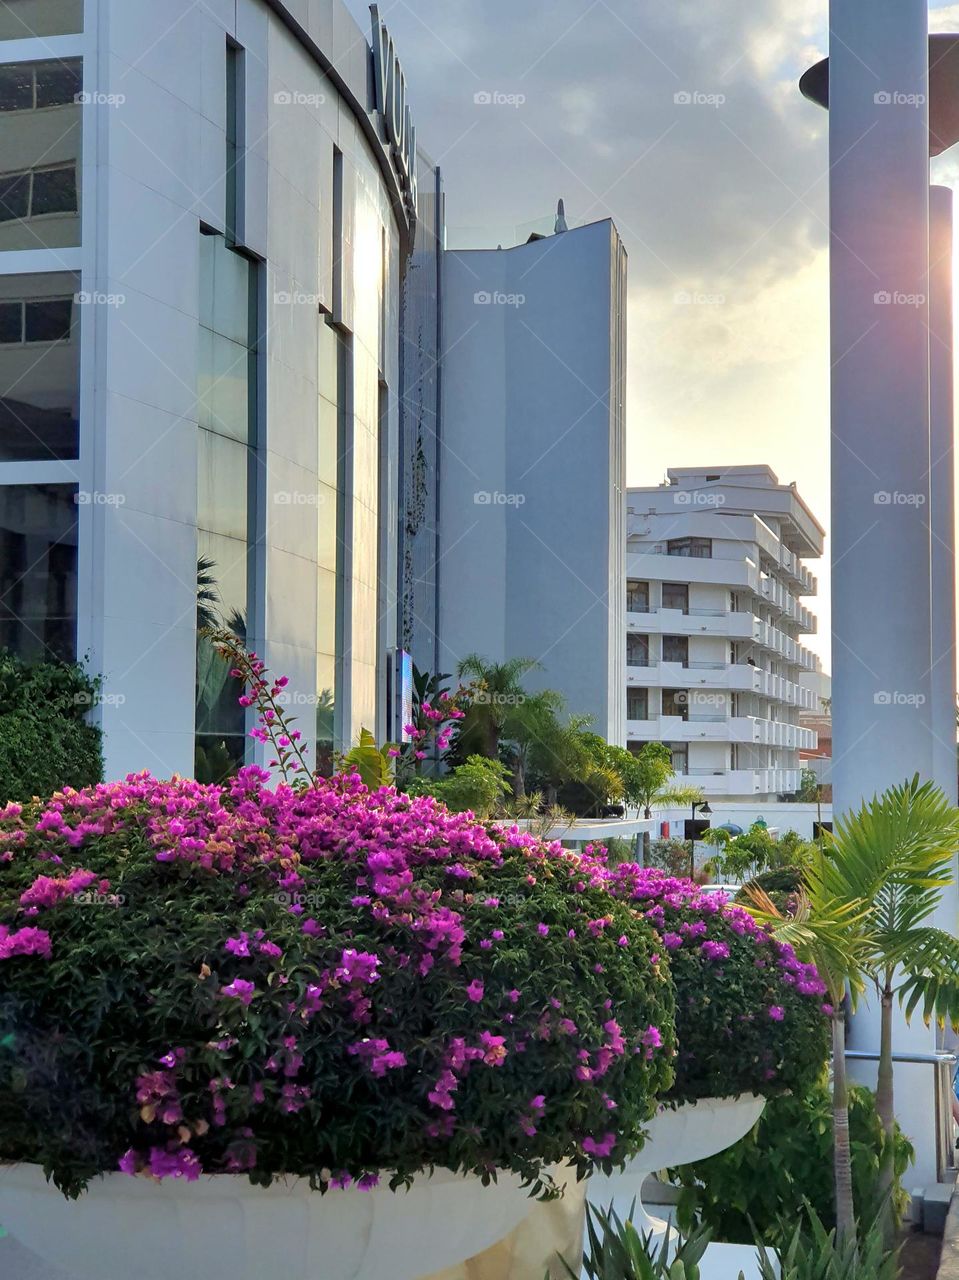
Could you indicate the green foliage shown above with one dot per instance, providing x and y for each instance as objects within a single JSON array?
[
  {"x": 670, "y": 855},
  {"x": 372, "y": 763},
  {"x": 780, "y": 880},
  {"x": 479, "y": 787},
  {"x": 497, "y": 710},
  {"x": 45, "y": 740},
  {"x": 808, "y": 786},
  {"x": 619, "y": 850},
  {"x": 213, "y": 762},
  {"x": 616, "y": 1251},
  {"x": 756, "y": 851},
  {"x": 815, "y": 1254},
  {"x": 650, "y": 775},
  {"x": 750, "y": 1190}
]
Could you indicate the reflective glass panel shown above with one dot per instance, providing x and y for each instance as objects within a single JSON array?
[
  {"x": 38, "y": 570},
  {"x": 40, "y": 140},
  {"x": 20, "y": 19},
  {"x": 39, "y": 367}
]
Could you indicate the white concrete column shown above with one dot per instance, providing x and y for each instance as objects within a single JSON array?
[
  {"x": 879, "y": 222},
  {"x": 879, "y": 256},
  {"x": 942, "y": 489}
]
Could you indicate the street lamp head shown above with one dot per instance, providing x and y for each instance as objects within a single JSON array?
[
  {"x": 705, "y": 809},
  {"x": 943, "y": 90}
]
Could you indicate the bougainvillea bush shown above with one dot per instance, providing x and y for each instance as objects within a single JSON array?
[
  {"x": 317, "y": 981},
  {"x": 750, "y": 1016}
]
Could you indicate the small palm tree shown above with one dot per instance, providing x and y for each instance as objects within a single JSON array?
[
  {"x": 496, "y": 700},
  {"x": 883, "y": 871},
  {"x": 897, "y": 854},
  {"x": 830, "y": 932}
]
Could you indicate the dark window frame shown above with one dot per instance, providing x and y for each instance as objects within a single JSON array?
[
  {"x": 23, "y": 303},
  {"x": 62, "y": 166}
]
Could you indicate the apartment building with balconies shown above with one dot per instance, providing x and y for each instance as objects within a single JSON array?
[{"x": 716, "y": 611}]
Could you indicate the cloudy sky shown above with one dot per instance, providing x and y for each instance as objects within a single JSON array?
[{"x": 723, "y": 198}]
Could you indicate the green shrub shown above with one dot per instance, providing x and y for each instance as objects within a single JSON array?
[
  {"x": 784, "y": 1164},
  {"x": 45, "y": 740},
  {"x": 779, "y": 880},
  {"x": 479, "y": 786}
]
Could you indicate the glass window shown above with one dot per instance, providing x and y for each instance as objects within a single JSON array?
[
  {"x": 54, "y": 190},
  {"x": 41, "y": 113},
  {"x": 676, "y": 703},
  {"x": 48, "y": 320},
  {"x": 676, "y": 649},
  {"x": 227, "y": 370},
  {"x": 637, "y": 704},
  {"x": 14, "y": 196},
  {"x": 222, "y": 485},
  {"x": 226, "y": 390},
  {"x": 11, "y": 322},
  {"x": 16, "y": 86},
  {"x": 334, "y": 377},
  {"x": 698, "y": 548},
  {"x": 31, "y": 86},
  {"x": 38, "y": 570},
  {"x": 234, "y": 57},
  {"x": 39, "y": 367},
  {"x": 57, "y": 83},
  {"x": 637, "y": 650},
  {"x": 676, "y": 596},
  {"x": 20, "y": 19},
  {"x": 637, "y": 596}
]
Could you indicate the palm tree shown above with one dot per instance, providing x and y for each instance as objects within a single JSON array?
[
  {"x": 499, "y": 695},
  {"x": 530, "y": 723},
  {"x": 884, "y": 869},
  {"x": 829, "y": 932},
  {"x": 897, "y": 855}
]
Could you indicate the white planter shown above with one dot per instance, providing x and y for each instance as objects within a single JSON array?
[
  {"x": 693, "y": 1131},
  {"x": 222, "y": 1228}
]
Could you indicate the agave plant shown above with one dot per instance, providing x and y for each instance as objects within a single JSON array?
[
  {"x": 814, "y": 1253},
  {"x": 618, "y": 1252}
]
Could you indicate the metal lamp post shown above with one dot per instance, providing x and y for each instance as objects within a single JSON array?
[{"x": 704, "y": 809}]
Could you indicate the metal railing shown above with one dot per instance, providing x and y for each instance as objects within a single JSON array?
[{"x": 944, "y": 1066}]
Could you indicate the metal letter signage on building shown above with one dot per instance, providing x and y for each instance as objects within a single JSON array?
[{"x": 390, "y": 101}]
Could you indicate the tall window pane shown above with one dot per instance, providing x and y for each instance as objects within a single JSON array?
[
  {"x": 331, "y": 508},
  {"x": 38, "y": 570},
  {"x": 226, "y": 391},
  {"x": 40, "y": 135},
  {"x": 39, "y": 367},
  {"x": 20, "y": 19}
]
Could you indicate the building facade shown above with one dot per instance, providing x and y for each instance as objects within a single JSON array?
[
  {"x": 225, "y": 326},
  {"x": 203, "y": 223},
  {"x": 714, "y": 620},
  {"x": 532, "y": 394}
]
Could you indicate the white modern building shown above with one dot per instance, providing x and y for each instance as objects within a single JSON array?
[
  {"x": 530, "y": 564},
  {"x": 224, "y": 335},
  {"x": 716, "y": 579}
]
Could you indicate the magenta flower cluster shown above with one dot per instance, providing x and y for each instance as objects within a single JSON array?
[
  {"x": 344, "y": 973},
  {"x": 749, "y": 1014}
]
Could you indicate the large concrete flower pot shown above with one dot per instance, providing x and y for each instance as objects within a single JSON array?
[
  {"x": 223, "y": 1228},
  {"x": 692, "y": 1131}
]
